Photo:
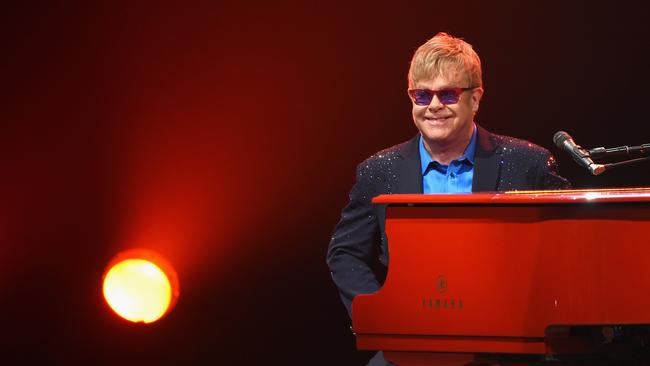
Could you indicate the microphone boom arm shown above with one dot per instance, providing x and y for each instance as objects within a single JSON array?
[{"x": 600, "y": 152}]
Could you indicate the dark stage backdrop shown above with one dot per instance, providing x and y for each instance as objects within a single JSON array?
[{"x": 225, "y": 136}]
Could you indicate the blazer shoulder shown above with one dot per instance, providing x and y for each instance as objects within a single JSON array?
[
  {"x": 537, "y": 162},
  {"x": 508, "y": 145},
  {"x": 386, "y": 158},
  {"x": 382, "y": 172}
]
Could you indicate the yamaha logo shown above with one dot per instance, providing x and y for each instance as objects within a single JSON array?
[
  {"x": 441, "y": 283},
  {"x": 440, "y": 301}
]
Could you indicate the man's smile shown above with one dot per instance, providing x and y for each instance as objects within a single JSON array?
[{"x": 437, "y": 119}]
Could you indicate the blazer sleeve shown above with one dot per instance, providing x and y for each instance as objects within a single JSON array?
[{"x": 354, "y": 242}]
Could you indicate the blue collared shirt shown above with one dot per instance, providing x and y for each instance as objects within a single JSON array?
[{"x": 453, "y": 178}]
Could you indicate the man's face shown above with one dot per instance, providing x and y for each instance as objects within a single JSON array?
[{"x": 446, "y": 125}]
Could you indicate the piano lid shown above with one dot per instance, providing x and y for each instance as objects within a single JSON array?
[{"x": 641, "y": 194}]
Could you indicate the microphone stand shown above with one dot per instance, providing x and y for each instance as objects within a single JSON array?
[{"x": 601, "y": 152}]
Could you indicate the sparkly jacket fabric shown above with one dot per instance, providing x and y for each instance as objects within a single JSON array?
[{"x": 358, "y": 251}]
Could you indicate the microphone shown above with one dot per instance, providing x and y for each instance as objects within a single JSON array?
[{"x": 581, "y": 156}]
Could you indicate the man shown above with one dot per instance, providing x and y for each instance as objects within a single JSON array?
[{"x": 451, "y": 154}]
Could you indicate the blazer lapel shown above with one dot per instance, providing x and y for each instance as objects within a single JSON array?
[
  {"x": 487, "y": 163},
  {"x": 410, "y": 175}
]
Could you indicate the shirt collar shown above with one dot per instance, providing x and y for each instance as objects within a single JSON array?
[{"x": 468, "y": 154}]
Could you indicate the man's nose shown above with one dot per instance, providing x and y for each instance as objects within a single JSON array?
[{"x": 435, "y": 103}]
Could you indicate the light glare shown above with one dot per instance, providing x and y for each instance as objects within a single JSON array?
[{"x": 138, "y": 290}]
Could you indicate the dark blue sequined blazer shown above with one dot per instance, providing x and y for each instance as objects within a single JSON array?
[{"x": 358, "y": 251}]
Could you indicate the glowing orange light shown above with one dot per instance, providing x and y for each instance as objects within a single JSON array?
[{"x": 140, "y": 286}]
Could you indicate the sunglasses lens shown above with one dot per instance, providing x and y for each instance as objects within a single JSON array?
[
  {"x": 422, "y": 97},
  {"x": 445, "y": 96},
  {"x": 448, "y": 96}
]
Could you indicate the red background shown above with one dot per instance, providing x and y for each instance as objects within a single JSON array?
[{"x": 225, "y": 136}]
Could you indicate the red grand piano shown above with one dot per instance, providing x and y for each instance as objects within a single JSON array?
[{"x": 476, "y": 276}]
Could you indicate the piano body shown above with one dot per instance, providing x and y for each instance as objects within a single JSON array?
[{"x": 476, "y": 278}]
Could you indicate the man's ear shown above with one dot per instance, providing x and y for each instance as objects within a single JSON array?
[{"x": 477, "y": 94}]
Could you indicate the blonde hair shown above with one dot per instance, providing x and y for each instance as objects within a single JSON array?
[{"x": 444, "y": 53}]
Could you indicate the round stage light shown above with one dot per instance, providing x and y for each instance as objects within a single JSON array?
[{"x": 140, "y": 285}]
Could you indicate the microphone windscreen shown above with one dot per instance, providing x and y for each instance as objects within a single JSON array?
[{"x": 560, "y": 137}]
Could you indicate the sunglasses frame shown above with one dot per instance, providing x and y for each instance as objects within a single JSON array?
[{"x": 436, "y": 93}]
